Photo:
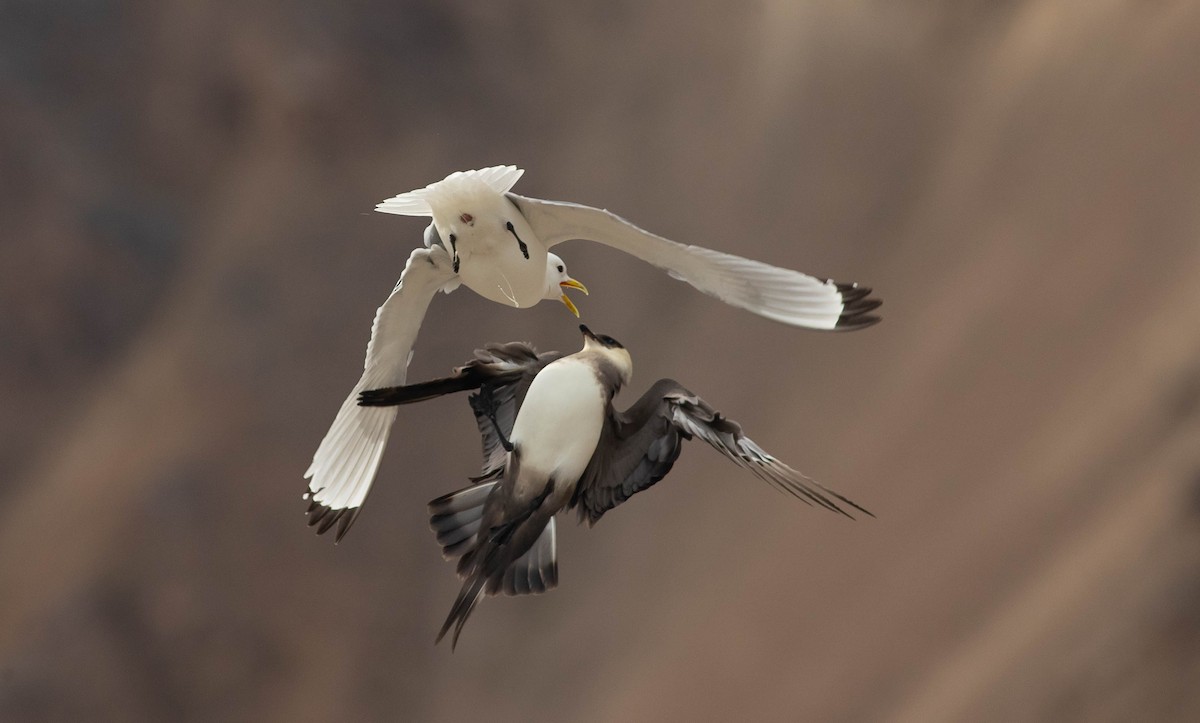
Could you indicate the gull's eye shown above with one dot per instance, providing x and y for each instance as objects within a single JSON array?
[{"x": 560, "y": 268}]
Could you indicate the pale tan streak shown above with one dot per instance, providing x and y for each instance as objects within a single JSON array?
[
  {"x": 69, "y": 510},
  {"x": 1113, "y": 543}
]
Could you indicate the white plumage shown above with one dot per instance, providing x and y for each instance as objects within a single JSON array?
[
  {"x": 497, "y": 244},
  {"x": 561, "y": 425}
]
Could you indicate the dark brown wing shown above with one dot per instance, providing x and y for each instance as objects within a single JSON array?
[
  {"x": 503, "y": 395},
  {"x": 638, "y": 447}
]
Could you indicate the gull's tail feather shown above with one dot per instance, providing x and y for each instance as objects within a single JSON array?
[
  {"x": 499, "y": 179},
  {"x": 413, "y": 203}
]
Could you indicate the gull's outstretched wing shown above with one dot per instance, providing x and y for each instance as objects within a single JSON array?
[
  {"x": 780, "y": 294},
  {"x": 346, "y": 461},
  {"x": 638, "y": 447}
]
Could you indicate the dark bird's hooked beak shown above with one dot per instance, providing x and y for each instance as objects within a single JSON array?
[{"x": 587, "y": 333}]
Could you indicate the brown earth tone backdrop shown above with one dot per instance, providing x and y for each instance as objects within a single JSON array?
[{"x": 190, "y": 265}]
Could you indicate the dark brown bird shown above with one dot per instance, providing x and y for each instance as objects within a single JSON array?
[{"x": 553, "y": 440}]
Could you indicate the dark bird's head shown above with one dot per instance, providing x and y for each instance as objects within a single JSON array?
[
  {"x": 609, "y": 349},
  {"x": 601, "y": 339}
]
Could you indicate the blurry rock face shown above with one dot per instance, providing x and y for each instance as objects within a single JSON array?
[{"x": 191, "y": 268}]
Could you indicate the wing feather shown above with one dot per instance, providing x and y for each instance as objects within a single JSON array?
[
  {"x": 512, "y": 368},
  {"x": 638, "y": 448},
  {"x": 347, "y": 459},
  {"x": 780, "y": 294}
]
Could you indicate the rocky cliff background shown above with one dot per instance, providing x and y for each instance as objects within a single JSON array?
[{"x": 190, "y": 264}]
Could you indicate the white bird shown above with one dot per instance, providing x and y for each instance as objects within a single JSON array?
[
  {"x": 496, "y": 243},
  {"x": 568, "y": 447}
]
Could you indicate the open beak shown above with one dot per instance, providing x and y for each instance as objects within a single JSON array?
[{"x": 572, "y": 283}]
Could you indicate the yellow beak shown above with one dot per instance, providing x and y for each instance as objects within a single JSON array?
[{"x": 572, "y": 283}]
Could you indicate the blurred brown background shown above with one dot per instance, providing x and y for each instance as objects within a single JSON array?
[{"x": 190, "y": 266}]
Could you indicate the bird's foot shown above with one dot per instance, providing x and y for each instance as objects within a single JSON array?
[
  {"x": 521, "y": 244},
  {"x": 484, "y": 406}
]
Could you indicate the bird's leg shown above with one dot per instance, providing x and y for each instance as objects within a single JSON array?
[
  {"x": 484, "y": 406},
  {"x": 502, "y": 533},
  {"x": 524, "y": 249},
  {"x": 454, "y": 251}
]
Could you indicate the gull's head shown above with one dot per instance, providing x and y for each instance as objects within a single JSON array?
[
  {"x": 558, "y": 281},
  {"x": 610, "y": 349}
]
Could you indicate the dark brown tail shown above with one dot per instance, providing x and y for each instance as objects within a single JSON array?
[{"x": 464, "y": 605}]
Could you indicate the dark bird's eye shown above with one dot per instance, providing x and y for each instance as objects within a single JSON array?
[
  {"x": 560, "y": 268},
  {"x": 607, "y": 339}
]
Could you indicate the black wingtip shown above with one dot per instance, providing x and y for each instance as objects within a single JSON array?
[
  {"x": 324, "y": 518},
  {"x": 853, "y": 292},
  {"x": 856, "y": 323},
  {"x": 857, "y": 303}
]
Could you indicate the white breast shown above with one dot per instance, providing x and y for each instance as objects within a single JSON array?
[
  {"x": 492, "y": 263},
  {"x": 559, "y": 423}
]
